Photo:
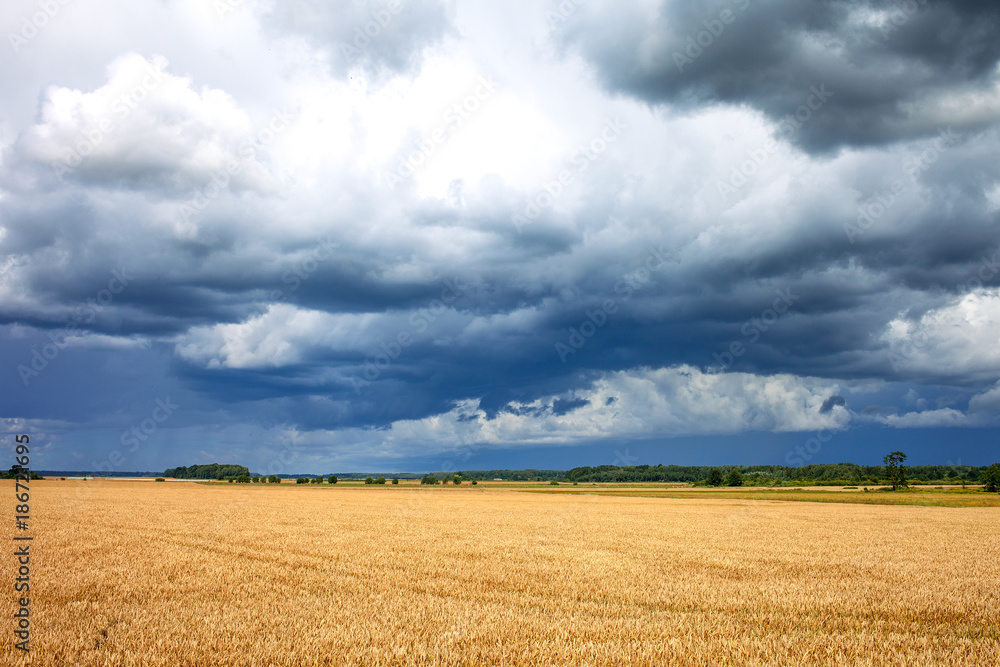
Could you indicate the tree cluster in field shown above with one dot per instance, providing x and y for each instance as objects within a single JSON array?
[
  {"x": 207, "y": 471},
  {"x": 715, "y": 478},
  {"x": 360, "y": 477},
  {"x": 432, "y": 480},
  {"x": 17, "y": 471},
  {"x": 247, "y": 479},
  {"x": 528, "y": 475},
  {"x": 315, "y": 480}
]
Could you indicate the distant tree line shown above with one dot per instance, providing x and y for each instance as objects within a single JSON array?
[
  {"x": 529, "y": 475},
  {"x": 208, "y": 471},
  {"x": 817, "y": 474}
]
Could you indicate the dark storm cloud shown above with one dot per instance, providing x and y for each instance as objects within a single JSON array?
[
  {"x": 858, "y": 73},
  {"x": 564, "y": 406},
  {"x": 829, "y": 403}
]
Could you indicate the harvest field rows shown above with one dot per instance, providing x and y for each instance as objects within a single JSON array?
[{"x": 127, "y": 573}]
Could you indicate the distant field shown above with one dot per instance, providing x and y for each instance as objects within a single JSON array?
[
  {"x": 128, "y": 573},
  {"x": 927, "y": 497}
]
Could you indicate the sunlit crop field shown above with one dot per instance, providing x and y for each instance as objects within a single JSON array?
[{"x": 143, "y": 573}]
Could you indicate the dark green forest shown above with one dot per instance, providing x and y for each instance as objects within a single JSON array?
[
  {"x": 832, "y": 474},
  {"x": 207, "y": 471}
]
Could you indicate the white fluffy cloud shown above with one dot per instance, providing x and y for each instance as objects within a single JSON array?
[
  {"x": 927, "y": 419},
  {"x": 639, "y": 403},
  {"x": 147, "y": 128},
  {"x": 987, "y": 401},
  {"x": 277, "y": 337},
  {"x": 961, "y": 339},
  {"x": 984, "y": 410}
]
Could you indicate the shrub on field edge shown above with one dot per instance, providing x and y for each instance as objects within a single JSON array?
[
  {"x": 301, "y": 480},
  {"x": 158, "y": 479},
  {"x": 332, "y": 479},
  {"x": 991, "y": 479},
  {"x": 395, "y": 480}
]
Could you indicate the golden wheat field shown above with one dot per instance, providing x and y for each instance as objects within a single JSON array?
[{"x": 140, "y": 573}]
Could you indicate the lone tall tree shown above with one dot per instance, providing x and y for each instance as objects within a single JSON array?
[{"x": 897, "y": 473}]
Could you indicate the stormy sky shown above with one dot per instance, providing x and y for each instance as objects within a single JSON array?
[{"x": 416, "y": 235}]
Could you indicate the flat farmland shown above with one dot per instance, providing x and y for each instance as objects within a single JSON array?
[{"x": 136, "y": 573}]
